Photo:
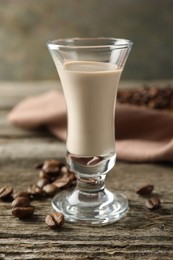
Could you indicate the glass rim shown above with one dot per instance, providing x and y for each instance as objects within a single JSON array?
[{"x": 68, "y": 43}]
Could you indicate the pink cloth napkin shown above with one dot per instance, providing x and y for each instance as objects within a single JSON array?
[{"x": 142, "y": 134}]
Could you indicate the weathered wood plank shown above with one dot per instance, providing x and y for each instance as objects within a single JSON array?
[
  {"x": 26, "y": 88},
  {"x": 12, "y": 93},
  {"x": 31, "y": 148},
  {"x": 142, "y": 234}
]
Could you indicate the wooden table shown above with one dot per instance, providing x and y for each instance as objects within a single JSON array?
[{"x": 142, "y": 234}]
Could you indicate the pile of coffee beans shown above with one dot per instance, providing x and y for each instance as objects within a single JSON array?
[
  {"x": 149, "y": 96},
  {"x": 153, "y": 201},
  {"x": 53, "y": 177},
  {"x": 21, "y": 207}
]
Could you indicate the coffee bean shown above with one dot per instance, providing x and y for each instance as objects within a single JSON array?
[
  {"x": 6, "y": 192},
  {"x": 64, "y": 170},
  {"x": 153, "y": 203},
  {"x": 39, "y": 166},
  {"x": 55, "y": 220},
  {"x": 51, "y": 166},
  {"x": 23, "y": 212},
  {"x": 43, "y": 175},
  {"x": 21, "y": 194},
  {"x": 67, "y": 173},
  {"x": 50, "y": 190},
  {"x": 66, "y": 180},
  {"x": 35, "y": 191},
  {"x": 61, "y": 183},
  {"x": 59, "y": 218},
  {"x": 145, "y": 190},
  {"x": 72, "y": 177},
  {"x": 51, "y": 176},
  {"x": 21, "y": 202},
  {"x": 42, "y": 182}
]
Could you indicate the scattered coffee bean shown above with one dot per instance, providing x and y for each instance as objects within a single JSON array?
[
  {"x": 21, "y": 202},
  {"x": 51, "y": 171},
  {"x": 6, "y": 192},
  {"x": 61, "y": 183},
  {"x": 153, "y": 203},
  {"x": 23, "y": 212},
  {"x": 39, "y": 166},
  {"x": 145, "y": 190},
  {"x": 50, "y": 190},
  {"x": 72, "y": 177},
  {"x": 59, "y": 218},
  {"x": 55, "y": 220},
  {"x": 21, "y": 194},
  {"x": 64, "y": 181},
  {"x": 51, "y": 166},
  {"x": 35, "y": 191},
  {"x": 51, "y": 176},
  {"x": 42, "y": 182},
  {"x": 64, "y": 170},
  {"x": 43, "y": 175}
]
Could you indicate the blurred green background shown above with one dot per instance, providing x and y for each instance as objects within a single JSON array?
[{"x": 26, "y": 25}]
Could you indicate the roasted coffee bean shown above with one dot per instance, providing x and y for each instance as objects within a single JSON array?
[
  {"x": 43, "y": 175},
  {"x": 55, "y": 220},
  {"x": 42, "y": 182},
  {"x": 67, "y": 173},
  {"x": 59, "y": 218},
  {"x": 66, "y": 180},
  {"x": 50, "y": 190},
  {"x": 153, "y": 203},
  {"x": 64, "y": 170},
  {"x": 23, "y": 212},
  {"x": 51, "y": 166},
  {"x": 6, "y": 192},
  {"x": 21, "y": 194},
  {"x": 145, "y": 190},
  {"x": 39, "y": 166},
  {"x": 51, "y": 176},
  {"x": 62, "y": 183},
  {"x": 72, "y": 176},
  {"x": 21, "y": 202},
  {"x": 35, "y": 191},
  {"x": 153, "y": 92}
]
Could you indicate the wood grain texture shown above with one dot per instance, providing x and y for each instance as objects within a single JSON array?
[{"x": 142, "y": 234}]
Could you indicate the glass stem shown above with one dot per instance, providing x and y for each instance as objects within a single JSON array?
[{"x": 90, "y": 184}]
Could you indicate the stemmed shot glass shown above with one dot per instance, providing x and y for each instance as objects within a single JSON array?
[{"x": 90, "y": 70}]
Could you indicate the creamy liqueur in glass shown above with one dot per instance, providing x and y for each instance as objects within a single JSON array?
[{"x": 90, "y": 92}]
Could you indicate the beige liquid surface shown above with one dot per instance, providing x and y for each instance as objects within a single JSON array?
[{"x": 90, "y": 91}]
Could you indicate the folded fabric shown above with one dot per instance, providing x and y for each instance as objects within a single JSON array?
[{"x": 142, "y": 134}]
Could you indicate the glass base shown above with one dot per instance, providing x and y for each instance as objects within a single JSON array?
[{"x": 99, "y": 208}]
